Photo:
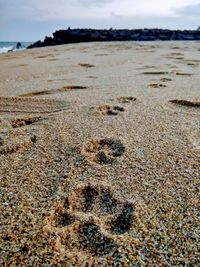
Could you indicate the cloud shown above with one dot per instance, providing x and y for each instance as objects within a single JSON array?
[
  {"x": 102, "y": 9},
  {"x": 90, "y": 3},
  {"x": 10, "y": 9},
  {"x": 191, "y": 10},
  {"x": 32, "y": 19},
  {"x": 155, "y": 8},
  {"x": 52, "y": 10}
]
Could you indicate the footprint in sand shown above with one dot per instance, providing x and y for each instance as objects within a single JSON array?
[
  {"x": 165, "y": 79},
  {"x": 109, "y": 110},
  {"x": 175, "y": 47},
  {"x": 126, "y": 99},
  {"x": 101, "y": 55},
  {"x": 193, "y": 64},
  {"x": 53, "y": 91},
  {"x": 176, "y": 54},
  {"x": 93, "y": 240},
  {"x": 44, "y": 56},
  {"x": 183, "y": 106},
  {"x": 155, "y": 72},
  {"x": 85, "y": 65},
  {"x": 23, "y": 65},
  {"x": 183, "y": 74},
  {"x": 179, "y": 58},
  {"x": 157, "y": 85},
  {"x": 90, "y": 198},
  {"x": 1, "y": 141},
  {"x": 89, "y": 217},
  {"x": 17, "y": 140},
  {"x": 16, "y": 143},
  {"x": 122, "y": 222},
  {"x": 193, "y": 136},
  {"x": 19, "y": 122},
  {"x": 92, "y": 77},
  {"x": 187, "y": 103},
  {"x": 52, "y": 59},
  {"x": 102, "y": 151}
]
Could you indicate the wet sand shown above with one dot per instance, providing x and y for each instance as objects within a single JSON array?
[{"x": 100, "y": 155}]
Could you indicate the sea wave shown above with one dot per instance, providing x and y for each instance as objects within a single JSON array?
[
  {"x": 5, "y": 49},
  {"x": 12, "y": 46}
]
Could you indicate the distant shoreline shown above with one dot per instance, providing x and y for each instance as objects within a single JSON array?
[{"x": 95, "y": 35}]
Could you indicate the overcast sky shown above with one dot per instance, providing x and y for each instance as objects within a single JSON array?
[{"x": 30, "y": 20}]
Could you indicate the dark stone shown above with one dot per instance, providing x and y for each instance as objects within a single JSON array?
[
  {"x": 18, "y": 46},
  {"x": 48, "y": 41},
  {"x": 36, "y": 44},
  {"x": 91, "y": 35}
]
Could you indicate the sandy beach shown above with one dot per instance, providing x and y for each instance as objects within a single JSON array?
[{"x": 100, "y": 155}]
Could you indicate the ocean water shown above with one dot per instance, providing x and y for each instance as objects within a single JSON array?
[{"x": 6, "y": 46}]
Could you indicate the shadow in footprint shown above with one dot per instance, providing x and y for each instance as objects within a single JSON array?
[
  {"x": 83, "y": 198},
  {"x": 90, "y": 198},
  {"x": 53, "y": 91},
  {"x": 44, "y": 56},
  {"x": 92, "y": 77},
  {"x": 157, "y": 85},
  {"x": 103, "y": 151},
  {"x": 183, "y": 74},
  {"x": 166, "y": 79},
  {"x": 63, "y": 219},
  {"x": 124, "y": 221},
  {"x": 17, "y": 145},
  {"x": 176, "y": 54},
  {"x": 52, "y": 59},
  {"x": 91, "y": 238},
  {"x": 179, "y": 58},
  {"x": 126, "y": 99},
  {"x": 193, "y": 64},
  {"x": 175, "y": 47},
  {"x": 101, "y": 55},
  {"x": 19, "y": 122},
  {"x": 109, "y": 110},
  {"x": 155, "y": 72},
  {"x": 186, "y": 103},
  {"x": 85, "y": 65},
  {"x": 108, "y": 203},
  {"x": 82, "y": 211},
  {"x": 1, "y": 141}
]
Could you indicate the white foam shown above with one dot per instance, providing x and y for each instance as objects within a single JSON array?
[{"x": 5, "y": 49}]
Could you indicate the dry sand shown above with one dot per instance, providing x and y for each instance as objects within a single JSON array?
[{"x": 99, "y": 155}]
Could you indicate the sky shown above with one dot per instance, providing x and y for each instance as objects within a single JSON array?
[{"x": 31, "y": 20}]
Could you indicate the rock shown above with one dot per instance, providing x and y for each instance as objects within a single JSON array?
[
  {"x": 37, "y": 44},
  {"x": 91, "y": 35},
  {"x": 147, "y": 35},
  {"x": 18, "y": 46},
  {"x": 48, "y": 41}
]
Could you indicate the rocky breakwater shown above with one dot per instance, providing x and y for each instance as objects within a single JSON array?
[{"x": 92, "y": 35}]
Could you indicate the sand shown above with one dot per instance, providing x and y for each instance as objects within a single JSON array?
[{"x": 99, "y": 155}]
